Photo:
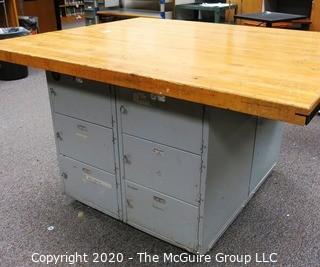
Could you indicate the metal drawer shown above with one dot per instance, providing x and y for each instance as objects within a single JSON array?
[
  {"x": 163, "y": 215},
  {"x": 86, "y": 142},
  {"x": 82, "y": 99},
  {"x": 89, "y": 185},
  {"x": 163, "y": 120},
  {"x": 168, "y": 170}
]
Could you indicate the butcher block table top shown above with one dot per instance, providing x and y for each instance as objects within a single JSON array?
[{"x": 271, "y": 73}]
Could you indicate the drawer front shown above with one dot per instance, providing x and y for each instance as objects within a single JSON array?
[
  {"x": 89, "y": 184},
  {"x": 164, "y": 215},
  {"x": 163, "y": 120},
  {"x": 165, "y": 169},
  {"x": 83, "y": 99},
  {"x": 86, "y": 142}
]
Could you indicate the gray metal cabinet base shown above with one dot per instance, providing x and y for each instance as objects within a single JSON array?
[{"x": 174, "y": 169}]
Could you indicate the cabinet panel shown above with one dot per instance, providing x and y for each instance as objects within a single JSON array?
[
  {"x": 89, "y": 184},
  {"x": 164, "y": 215},
  {"x": 160, "y": 119},
  {"x": 86, "y": 142},
  {"x": 266, "y": 150},
  {"x": 81, "y": 99},
  {"x": 162, "y": 168}
]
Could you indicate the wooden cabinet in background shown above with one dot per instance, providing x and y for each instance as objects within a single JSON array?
[
  {"x": 11, "y": 13},
  {"x": 244, "y": 6},
  {"x": 249, "y": 6},
  {"x": 46, "y": 11},
  {"x": 315, "y": 16}
]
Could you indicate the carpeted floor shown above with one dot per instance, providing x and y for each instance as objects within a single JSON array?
[{"x": 283, "y": 217}]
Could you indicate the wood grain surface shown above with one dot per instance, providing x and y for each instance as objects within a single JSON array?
[
  {"x": 127, "y": 13},
  {"x": 272, "y": 73}
]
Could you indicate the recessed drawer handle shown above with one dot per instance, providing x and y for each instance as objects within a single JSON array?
[
  {"x": 123, "y": 110},
  {"x": 126, "y": 159},
  {"x": 129, "y": 203},
  {"x": 59, "y": 136},
  {"x": 159, "y": 200}
]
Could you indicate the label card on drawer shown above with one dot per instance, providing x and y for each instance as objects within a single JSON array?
[
  {"x": 90, "y": 185},
  {"x": 92, "y": 179},
  {"x": 82, "y": 135},
  {"x": 141, "y": 98}
]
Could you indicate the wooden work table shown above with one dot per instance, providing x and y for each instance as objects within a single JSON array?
[
  {"x": 271, "y": 73},
  {"x": 151, "y": 159}
]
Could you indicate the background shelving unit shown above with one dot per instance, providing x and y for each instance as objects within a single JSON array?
[
  {"x": 90, "y": 10},
  {"x": 71, "y": 10},
  {"x": 125, "y": 9}
]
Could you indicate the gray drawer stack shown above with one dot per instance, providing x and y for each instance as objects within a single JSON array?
[
  {"x": 85, "y": 138},
  {"x": 175, "y": 169},
  {"x": 161, "y": 151}
]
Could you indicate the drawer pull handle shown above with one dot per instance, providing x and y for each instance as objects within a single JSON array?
[
  {"x": 123, "y": 110},
  {"x": 85, "y": 170},
  {"x": 157, "y": 151},
  {"x": 129, "y": 204},
  {"x": 82, "y": 128},
  {"x": 126, "y": 159},
  {"x": 64, "y": 175},
  {"x": 159, "y": 200},
  {"x": 59, "y": 136}
]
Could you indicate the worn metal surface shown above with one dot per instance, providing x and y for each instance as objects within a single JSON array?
[
  {"x": 177, "y": 170},
  {"x": 163, "y": 215},
  {"x": 80, "y": 98},
  {"x": 161, "y": 119},
  {"x": 90, "y": 143},
  {"x": 165, "y": 169},
  {"x": 268, "y": 138},
  {"x": 89, "y": 185},
  {"x": 85, "y": 141},
  {"x": 231, "y": 140}
]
